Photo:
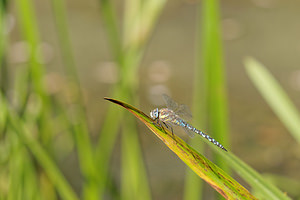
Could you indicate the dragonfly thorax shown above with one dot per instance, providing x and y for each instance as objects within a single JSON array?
[{"x": 154, "y": 113}]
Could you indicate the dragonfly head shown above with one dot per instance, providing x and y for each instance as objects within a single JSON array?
[{"x": 154, "y": 113}]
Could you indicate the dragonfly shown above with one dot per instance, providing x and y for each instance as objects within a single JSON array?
[{"x": 175, "y": 114}]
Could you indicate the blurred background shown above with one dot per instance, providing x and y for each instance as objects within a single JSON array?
[{"x": 74, "y": 45}]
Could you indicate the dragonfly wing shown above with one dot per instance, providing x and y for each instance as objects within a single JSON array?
[
  {"x": 184, "y": 112},
  {"x": 181, "y": 110},
  {"x": 170, "y": 102},
  {"x": 189, "y": 132}
]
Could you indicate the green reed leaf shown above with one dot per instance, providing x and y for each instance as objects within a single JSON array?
[
  {"x": 275, "y": 96},
  {"x": 205, "y": 169}
]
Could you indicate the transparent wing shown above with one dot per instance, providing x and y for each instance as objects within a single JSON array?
[
  {"x": 181, "y": 110},
  {"x": 170, "y": 102},
  {"x": 184, "y": 112},
  {"x": 189, "y": 132}
]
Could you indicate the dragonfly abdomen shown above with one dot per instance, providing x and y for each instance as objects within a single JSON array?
[
  {"x": 168, "y": 116},
  {"x": 212, "y": 140}
]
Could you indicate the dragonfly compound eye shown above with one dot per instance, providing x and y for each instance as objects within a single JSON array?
[{"x": 154, "y": 113}]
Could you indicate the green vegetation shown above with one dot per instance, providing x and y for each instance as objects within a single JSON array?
[
  {"x": 275, "y": 96},
  {"x": 32, "y": 118},
  {"x": 204, "y": 168}
]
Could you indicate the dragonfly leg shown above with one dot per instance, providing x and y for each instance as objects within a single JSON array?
[
  {"x": 169, "y": 126},
  {"x": 156, "y": 122},
  {"x": 159, "y": 123},
  {"x": 165, "y": 124}
]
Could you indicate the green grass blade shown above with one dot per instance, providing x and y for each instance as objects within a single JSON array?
[
  {"x": 209, "y": 88},
  {"x": 59, "y": 12},
  {"x": 215, "y": 84},
  {"x": 128, "y": 49},
  {"x": 204, "y": 168},
  {"x": 16, "y": 168},
  {"x": 134, "y": 179},
  {"x": 193, "y": 186},
  {"x": 131, "y": 157},
  {"x": 31, "y": 34},
  {"x": 109, "y": 17},
  {"x": 2, "y": 30},
  {"x": 253, "y": 178},
  {"x": 85, "y": 153},
  {"x": 290, "y": 185},
  {"x": 31, "y": 181},
  {"x": 24, "y": 135},
  {"x": 3, "y": 41},
  {"x": 139, "y": 20},
  {"x": 105, "y": 145},
  {"x": 275, "y": 96},
  {"x": 23, "y": 184},
  {"x": 45, "y": 161}
]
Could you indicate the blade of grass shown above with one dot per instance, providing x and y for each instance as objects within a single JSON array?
[
  {"x": 47, "y": 191},
  {"x": 131, "y": 21},
  {"x": 247, "y": 173},
  {"x": 108, "y": 136},
  {"x": 137, "y": 28},
  {"x": 130, "y": 158},
  {"x": 193, "y": 186},
  {"x": 135, "y": 185},
  {"x": 2, "y": 31},
  {"x": 275, "y": 96},
  {"x": 31, "y": 34},
  {"x": 59, "y": 12},
  {"x": 128, "y": 55},
  {"x": 106, "y": 142},
  {"x": 85, "y": 153},
  {"x": 4, "y": 75},
  {"x": 291, "y": 185},
  {"x": 30, "y": 181},
  {"x": 212, "y": 174},
  {"x": 140, "y": 19},
  {"x": 3, "y": 41},
  {"x": 214, "y": 76},
  {"x": 39, "y": 153},
  {"x": 253, "y": 178},
  {"x": 110, "y": 20},
  {"x": 23, "y": 177},
  {"x": 45, "y": 161},
  {"x": 16, "y": 167},
  {"x": 86, "y": 159}
]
